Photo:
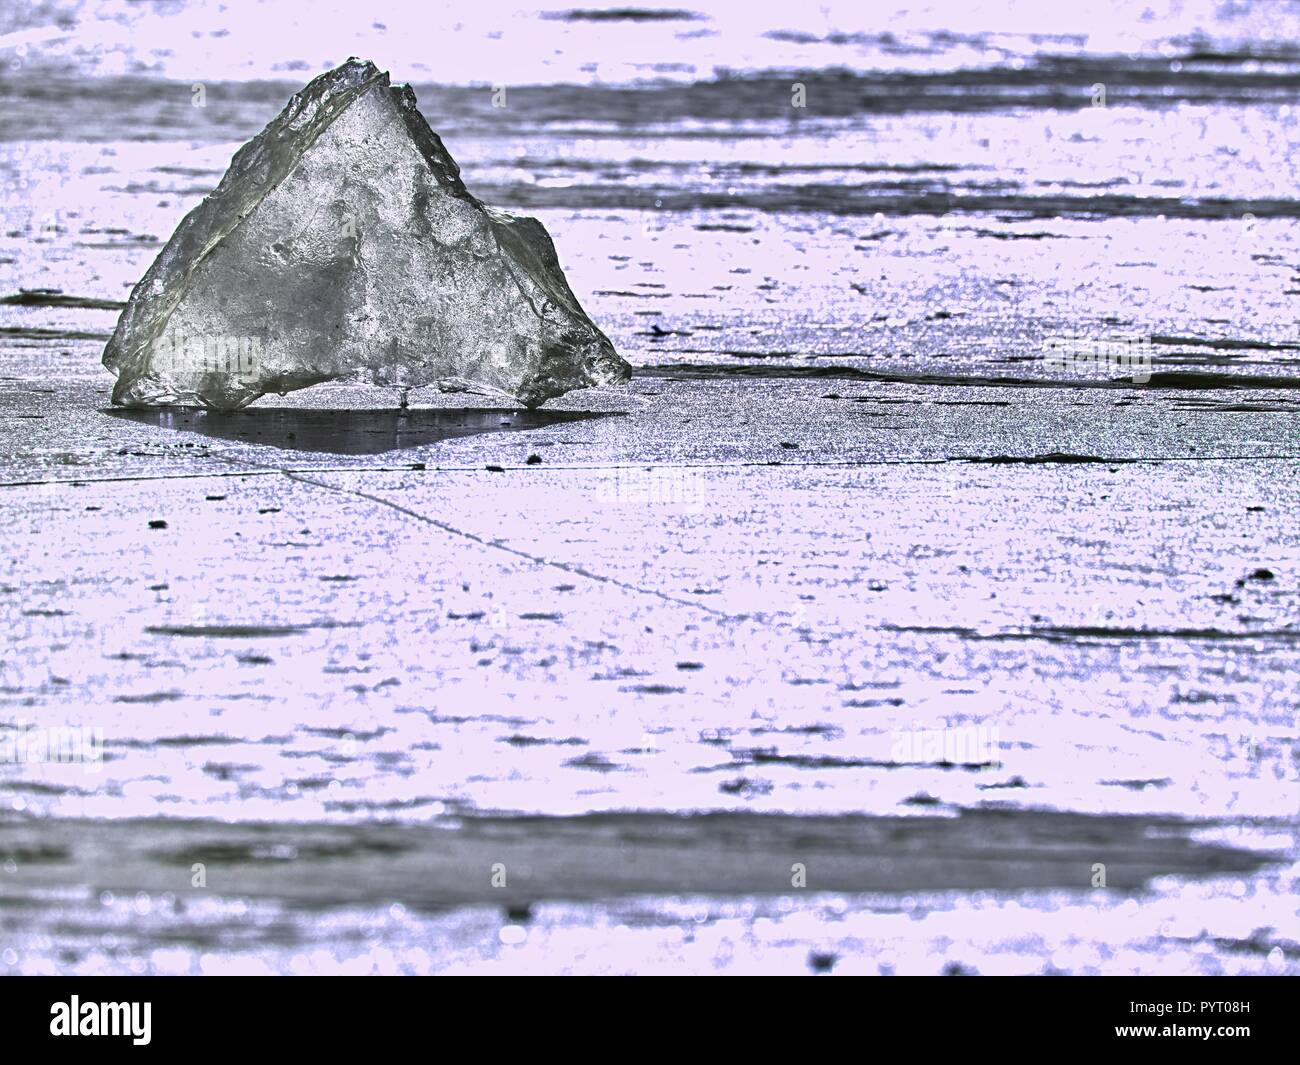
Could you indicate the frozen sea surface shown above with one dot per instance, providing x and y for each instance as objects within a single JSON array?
[{"x": 348, "y": 663}]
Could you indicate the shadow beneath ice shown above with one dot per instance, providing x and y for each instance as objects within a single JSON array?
[{"x": 348, "y": 432}]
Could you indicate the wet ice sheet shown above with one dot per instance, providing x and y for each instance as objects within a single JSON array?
[
  {"x": 612, "y": 45},
  {"x": 563, "y": 635},
  {"x": 975, "y": 291},
  {"x": 112, "y": 898},
  {"x": 925, "y": 935},
  {"x": 674, "y": 621}
]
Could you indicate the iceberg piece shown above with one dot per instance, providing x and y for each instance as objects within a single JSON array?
[{"x": 341, "y": 243}]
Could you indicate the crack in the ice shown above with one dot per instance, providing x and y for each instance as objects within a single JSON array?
[{"x": 540, "y": 560}]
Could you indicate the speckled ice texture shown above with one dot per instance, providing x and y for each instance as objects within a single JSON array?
[{"x": 342, "y": 244}]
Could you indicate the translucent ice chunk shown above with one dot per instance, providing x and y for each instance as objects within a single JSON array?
[{"x": 341, "y": 243}]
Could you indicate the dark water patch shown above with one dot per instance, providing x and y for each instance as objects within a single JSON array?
[
  {"x": 227, "y": 771},
  {"x": 153, "y": 188},
  {"x": 1188, "y": 380},
  {"x": 143, "y": 108},
  {"x": 1015, "y": 783},
  {"x": 770, "y": 756},
  {"x": 520, "y": 740},
  {"x": 53, "y": 297},
  {"x": 1252, "y": 53},
  {"x": 1102, "y": 632},
  {"x": 779, "y": 169},
  {"x": 188, "y": 171},
  {"x": 238, "y": 632},
  {"x": 1072, "y": 633},
  {"x": 25, "y": 333},
  {"x": 39, "y": 787},
  {"x": 1224, "y": 343},
  {"x": 1259, "y": 943},
  {"x": 829, "y": 731},
  {"x": 135, "y": 242},
  {"x": 1173, "y": 380},
  {"x": 594, "y": 856},
  {"x": 182, "y": 742},
  {"x": 1062, "y": 458},
  {"x": 127, "y": 107},
  {"x": 622, "y": 14},
  {"x": 653, "y": 689},
  {"x": 597, "y": 763},
  {"x": 152, "y": 697},
  {"x": 745, "y": 787},
  {"x": 368, "y": 807},
  {"x": 744, "y": 354},
  {"x": 272, "y": 851},
  {"x": 1003, "y": 234},
  {"x": 855, "y": 200},
  {"x": 885, "y": 41},
  {"x": 1237, "y": 408},
  {"x": 465, "y": 719},
  {"x": 36, "y": 854},
  {"x": 348, "y": 432},
  {"x": 344, "y": 733},
  {"x": 1209, "y": 358}
]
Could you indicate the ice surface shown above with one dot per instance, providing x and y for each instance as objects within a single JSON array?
[{"x": 342, "y": 243}]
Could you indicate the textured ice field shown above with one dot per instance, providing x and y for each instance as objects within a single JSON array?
[{"x": 847, "y": 510}]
